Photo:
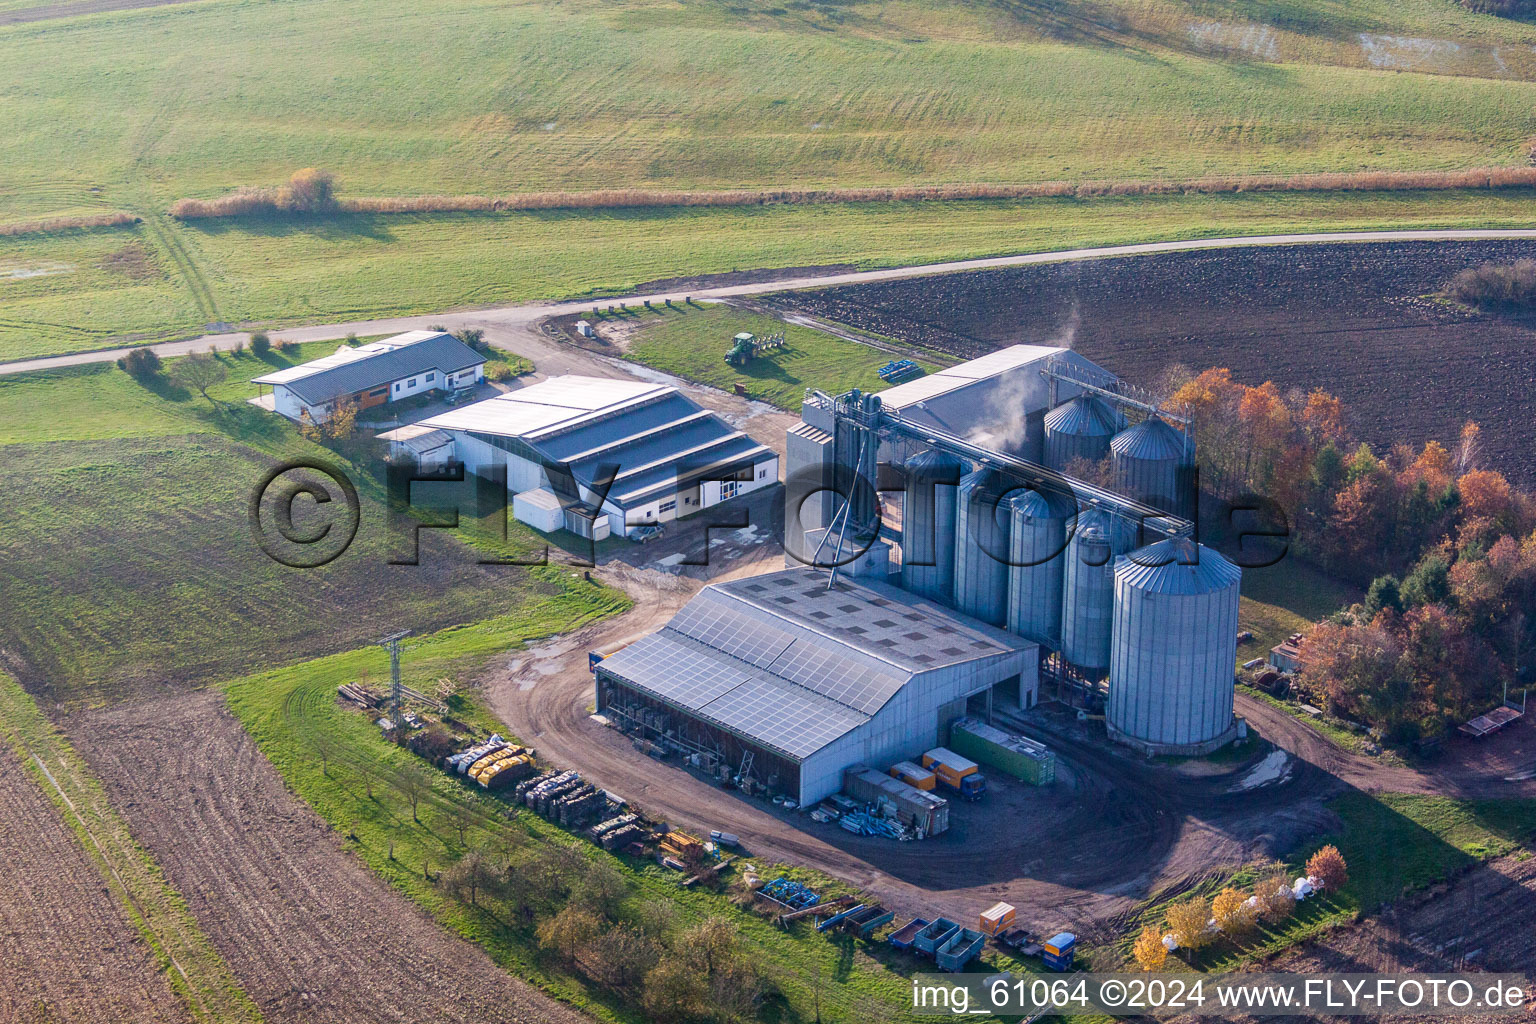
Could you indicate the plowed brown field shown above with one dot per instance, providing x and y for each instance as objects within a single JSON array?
[
  {"x": 67, "y": 952},
  {"x": 1346, "y": 317},
  {"x": 311, "y": 934}
]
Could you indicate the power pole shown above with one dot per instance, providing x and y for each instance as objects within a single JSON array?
[{"x": 392, "y": 644}]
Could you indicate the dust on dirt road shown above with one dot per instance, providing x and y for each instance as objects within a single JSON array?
[
  {"x": 67, "y": 952},
  {"x": 311, "y": 933}
]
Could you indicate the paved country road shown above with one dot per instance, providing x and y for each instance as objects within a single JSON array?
[{"x": 522, "y": 315}]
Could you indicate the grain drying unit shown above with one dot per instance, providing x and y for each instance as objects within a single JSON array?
[
  {"x": 1174, "y": 644},
  {"x": 993, "y": 527}
]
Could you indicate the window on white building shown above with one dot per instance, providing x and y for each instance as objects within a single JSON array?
[
  {"x": 431, "y": 377},
  {"x": 411, "y": 383},
  {"x": 668, "y": 506}
]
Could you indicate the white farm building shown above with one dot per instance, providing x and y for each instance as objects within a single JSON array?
[
  {"x": 808, "y": 680},
  {"x": 383, "y": 371},
  {"x": 600, "y": 456}
]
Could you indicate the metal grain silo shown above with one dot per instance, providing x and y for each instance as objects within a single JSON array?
[
  {"x": 1088, "y": 588},
  {"x": 1080, "y": 429},
  {"x": 1174, "y": 647},
  {"x": 1148, "y": 460},
  {"x": 928, "y": 525},
  {"x": 981, "y": 546},
  {"x": 1038, "y": 562}
]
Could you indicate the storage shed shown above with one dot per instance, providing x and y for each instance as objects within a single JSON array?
[{"x": 800, "y": 681}]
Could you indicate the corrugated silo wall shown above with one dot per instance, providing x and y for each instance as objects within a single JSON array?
[
  {"x": 981, "y": 548},
  {"x": 928, "y": 526},
  {"x": 1172, "y": 661},
  {"x": 808, "y": 457},
  {"x": 1088, "y": 590},
  {"x": 1062, "y": 449},
  {"x": 1036, "y": 576},
  {"x": 1154, "y": 481}
]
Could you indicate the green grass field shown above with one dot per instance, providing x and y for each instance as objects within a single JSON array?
[
  {"x": 691, "y": 343},
  {"x": 129, "y": 562},
  {"x": 134, "y": 109},
  {"x": 357, "y": 267}
]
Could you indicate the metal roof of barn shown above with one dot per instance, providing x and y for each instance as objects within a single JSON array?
[
  {"x": 783, "y": 661},
  {"x": 350, "y": 370},
  {"x": 657, "y": 437}
]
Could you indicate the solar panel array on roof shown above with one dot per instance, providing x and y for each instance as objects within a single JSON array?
[
  {"x": 757, "y": 657},
  {"x": 854, "y": 685},
  {"x": 783, "y": 716},
  {"x": 754, "y": 642}
]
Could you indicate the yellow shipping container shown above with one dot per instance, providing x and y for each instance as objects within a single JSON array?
[
  {"x": 914, "y": 776},
  {"x": 997, "y": 919}
]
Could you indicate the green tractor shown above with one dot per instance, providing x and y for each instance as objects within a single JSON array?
[{"x": 744, "y": 349}]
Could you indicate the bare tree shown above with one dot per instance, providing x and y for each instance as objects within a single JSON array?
[
  {"x": 472, "y": 875},
  {"x": 413, "y": 786},
  {"x": 199, "y": 371},
  {"x": 463, "y": 817},
  {"x": 324, "y": 746}
]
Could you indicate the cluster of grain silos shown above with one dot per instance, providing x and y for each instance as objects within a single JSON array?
[{"x": 1160, "y": 622}]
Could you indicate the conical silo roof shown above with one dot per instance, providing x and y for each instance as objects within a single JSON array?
[
  {"x": 1177, "y": 566},
  {"x": 1084, "y": 416},
  {"x": 1151, "y": 440},
  {"x": 1042, "y": 504}
]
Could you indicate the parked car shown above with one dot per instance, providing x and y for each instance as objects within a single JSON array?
[{"x": 646, "y": 534}]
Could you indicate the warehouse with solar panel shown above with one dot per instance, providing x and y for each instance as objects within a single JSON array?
[{"x": 1029, "y": 537}]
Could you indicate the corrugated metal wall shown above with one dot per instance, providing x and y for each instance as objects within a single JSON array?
[{"x": 1174, "y": 644}]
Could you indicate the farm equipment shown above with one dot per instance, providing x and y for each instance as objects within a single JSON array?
[
  {"x": 899, "y": 370},
  {"x": 786, "y": 893},
  {"x": 746, "y": 347},
  {"x": 902, "y": 937},
  {"x": 935, "y": 934},
  {"x": 959, "y": 949},
  {"x": 997, "y": 919},
  {"x": 867, "y": 919}
]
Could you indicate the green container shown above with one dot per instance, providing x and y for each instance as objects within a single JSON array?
[{"x": 1013, "y": 755}]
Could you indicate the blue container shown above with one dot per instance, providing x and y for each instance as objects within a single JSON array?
[{"x": 1057, "y": 963}]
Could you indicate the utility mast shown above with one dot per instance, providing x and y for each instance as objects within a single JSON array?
[{"x": 392, "y": 644}]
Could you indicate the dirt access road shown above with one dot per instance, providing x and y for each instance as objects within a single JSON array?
[
  {"x": 312, "y": 935},
  {"x": 1113, "y": 830},
  {"x": 761, "y": 284}
]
